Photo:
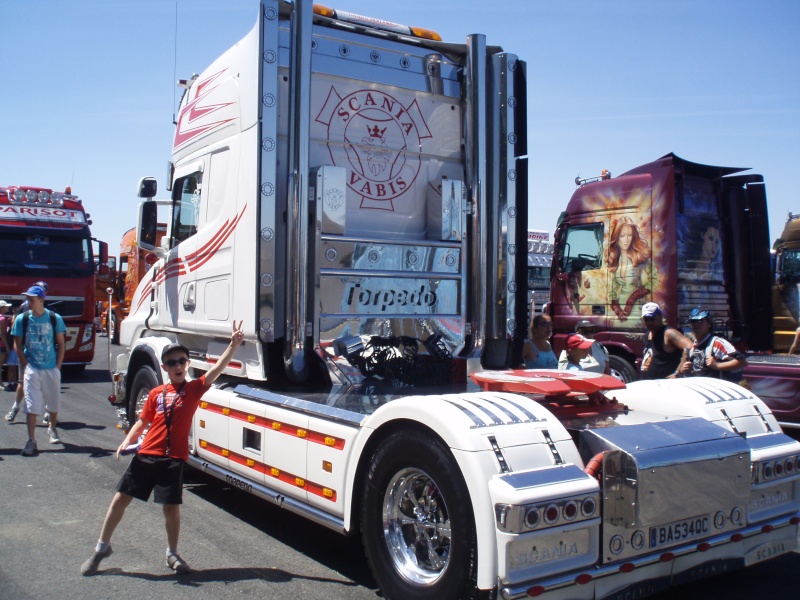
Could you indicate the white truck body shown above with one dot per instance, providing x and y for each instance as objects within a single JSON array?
[{"x": 357, "y": 196}]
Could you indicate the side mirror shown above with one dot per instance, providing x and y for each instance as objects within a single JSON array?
[
  {"x": 148, "y": 226},
  {"x": 148, "y": 186}
]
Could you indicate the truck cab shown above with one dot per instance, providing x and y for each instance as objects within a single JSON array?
[{"x": 674, "y": 232}]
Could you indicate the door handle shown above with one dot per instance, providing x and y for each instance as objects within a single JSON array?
[{"x": 188, "y": 298}]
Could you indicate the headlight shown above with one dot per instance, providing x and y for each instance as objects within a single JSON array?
[{"x": 88, "y": 333}]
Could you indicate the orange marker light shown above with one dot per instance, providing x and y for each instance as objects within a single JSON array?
[{"x": 324, "y": 11}]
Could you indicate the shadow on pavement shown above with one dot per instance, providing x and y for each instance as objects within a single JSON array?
[
  {"x": 296, "y": 532},
  {"x": 198, "y": 578}
]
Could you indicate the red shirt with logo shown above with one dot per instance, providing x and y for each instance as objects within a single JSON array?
[{"x": 180, "y": 404}]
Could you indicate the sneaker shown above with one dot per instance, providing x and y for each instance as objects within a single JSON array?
[
  {"x": 52, "y": 433},
  {"x": 46, "y": 418},
  {"x": 30, "y": 448},
  {"x": 10, "y": 387},
  {"x": 93, "y": 562},
  {"x": 12, "y": 414},
  {"x": 177, "y": 564}
]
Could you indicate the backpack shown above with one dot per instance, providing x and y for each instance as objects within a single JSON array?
[{"x": 25, "y": 326}]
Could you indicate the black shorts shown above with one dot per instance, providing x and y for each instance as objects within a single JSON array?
[{"x": 160, "y": 473}]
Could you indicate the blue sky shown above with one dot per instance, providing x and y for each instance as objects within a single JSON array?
[{"x": 89, "y": 96}]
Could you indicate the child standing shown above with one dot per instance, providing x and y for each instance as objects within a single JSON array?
[{"x": 158, "y": 465}]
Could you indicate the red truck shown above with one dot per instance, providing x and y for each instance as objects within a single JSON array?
[
  {"x": 123, "y": 278},
  {"x": 681, "y": 234},
  {"x": 44, "y": 235}
]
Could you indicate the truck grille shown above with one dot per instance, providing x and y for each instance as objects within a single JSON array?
[{"x": 68, "y": 309}]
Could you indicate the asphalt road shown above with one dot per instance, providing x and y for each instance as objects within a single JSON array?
[{"x": 52, "y": 506}]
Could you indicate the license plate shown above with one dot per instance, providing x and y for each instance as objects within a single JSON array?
[
  {"x": 678, "y": 531},
  {"x": 769, "y": 550}
]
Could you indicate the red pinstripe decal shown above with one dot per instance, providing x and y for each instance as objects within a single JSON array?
[
  {"x": 270, "y": 471},
  {"x": 194, "y": 111},
  {"x": 179, "y": 266},
  {"x": 292, "y": 430}
]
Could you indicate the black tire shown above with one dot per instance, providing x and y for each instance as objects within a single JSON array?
[
  {"x": 430, "y": 554},
  {"x": 144, "y": 381},
  {"x": 622, "y": 369}
]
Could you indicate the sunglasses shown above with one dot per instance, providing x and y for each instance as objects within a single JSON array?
[
  {"x": 648, "y": 318},
  {"x": 176, "y": 361},
  {"x": 545, "y": 324}
]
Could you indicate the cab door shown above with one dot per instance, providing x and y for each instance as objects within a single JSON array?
[
  {"x": 178, "y": 279},
  {"x": 579, "y": 279}
]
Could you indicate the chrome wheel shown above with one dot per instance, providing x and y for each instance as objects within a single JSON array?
[{"x": 416, "y": 526}]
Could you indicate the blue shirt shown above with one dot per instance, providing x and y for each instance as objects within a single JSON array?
[{"x": 40, "y": 347}]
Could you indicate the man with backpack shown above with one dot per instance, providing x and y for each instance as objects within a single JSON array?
[
  {"x": 13, "y": 361},
  {"x": 39, "y": 341},
  {"x": 712, "y": 355}
]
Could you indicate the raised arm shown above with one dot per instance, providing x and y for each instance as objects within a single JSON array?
[{"x": 237, "y": 335}]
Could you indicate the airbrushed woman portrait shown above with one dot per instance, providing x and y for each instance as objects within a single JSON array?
[{"x": 629, "y": 265}]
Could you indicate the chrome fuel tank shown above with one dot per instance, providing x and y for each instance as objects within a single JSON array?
[{"x": 668, "y": 483}]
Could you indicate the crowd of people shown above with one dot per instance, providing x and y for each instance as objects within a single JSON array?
[{"x": 668, "y": 352}]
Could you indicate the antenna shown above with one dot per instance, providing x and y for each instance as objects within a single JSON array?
[{"x": 175, "y": 63}]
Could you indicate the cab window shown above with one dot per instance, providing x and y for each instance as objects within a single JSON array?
[
  {"x": 186, "y": 206},
  {"x": 581, "y": 248}
]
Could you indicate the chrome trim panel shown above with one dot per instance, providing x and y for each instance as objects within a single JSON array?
[
  {"x": 769, "y": 440},
  {"x": 544, "y": 476},
  {"x": 476, "y": 141},
  {"x": 309, "y": 407},
  {"x": 297, "y": 292},
  {"x": 520, "y": 590},
  {"x": 273, "y": 496},
  {"x": 270, "y": 186}
]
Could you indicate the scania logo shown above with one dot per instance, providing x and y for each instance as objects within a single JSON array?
[
  {"x": 546, "y": 553},
  {"x": 378, "y": 140},
  {"x": 769, "y": 500}
]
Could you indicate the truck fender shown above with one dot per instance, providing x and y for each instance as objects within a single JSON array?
[
  {"x": 452, "y": 419},
  {"x": 145, "y": 351},
  {"x": 727, "y": 404}
]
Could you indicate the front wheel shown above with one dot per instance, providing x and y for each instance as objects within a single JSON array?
[
  {"x": 417, "y": 523},
  {"x": 144, "y": 381},
  {"x": 622, "y": 369}
]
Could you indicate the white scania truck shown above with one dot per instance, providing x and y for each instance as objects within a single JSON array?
[{"x": 355, "y": 191}]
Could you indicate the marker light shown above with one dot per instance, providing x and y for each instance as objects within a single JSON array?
[
  {"x": 324, "y": 11},
  {"x": 426, "y": 34}
]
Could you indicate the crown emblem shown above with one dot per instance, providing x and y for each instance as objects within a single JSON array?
[{"x": 375, "y": 132}]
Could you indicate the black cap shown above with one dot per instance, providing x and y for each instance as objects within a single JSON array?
[
  {"x": 584, "y": 324},
  {"x": 172, "y": 347}
]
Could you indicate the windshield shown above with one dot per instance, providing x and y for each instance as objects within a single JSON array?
[
  {"x": 45, "y": 255},
  {"x": 790, "y": 267},
  {"x": 539, "y": 278}
]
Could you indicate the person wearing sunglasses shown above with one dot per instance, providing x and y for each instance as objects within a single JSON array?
[
  {"x": 712, "y": 355},
  {"x": 537, "y": 353},
  {"x": 158, "y": 463},
  {"x": 666, "y": 348}
]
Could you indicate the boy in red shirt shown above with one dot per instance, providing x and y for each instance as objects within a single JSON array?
[{"x": 158, "y": 464}]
